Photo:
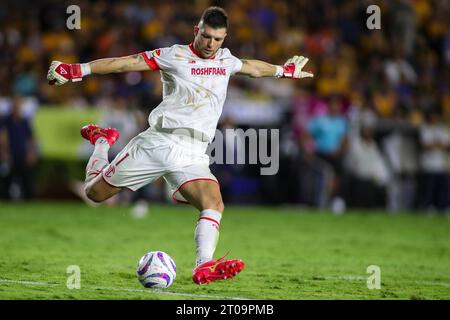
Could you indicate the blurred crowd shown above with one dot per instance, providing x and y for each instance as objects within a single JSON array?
[{"x": 371, "y": 129}]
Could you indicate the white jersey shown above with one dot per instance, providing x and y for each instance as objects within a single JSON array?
[{"x": 194, "y": 89}]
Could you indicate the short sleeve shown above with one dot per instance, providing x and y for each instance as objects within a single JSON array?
[
  {"x": 237, "y": 65},
  {"x": 159, "y": 59}
]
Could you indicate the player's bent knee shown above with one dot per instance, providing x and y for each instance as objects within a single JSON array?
[
  {"x": 99, "y": 191},
  {"x": 217, "y": 205},
  {"x": 221, "y": 206},
  {"x": 93, "y": 195}
]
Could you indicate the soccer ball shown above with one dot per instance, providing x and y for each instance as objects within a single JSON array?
[{"x": 156, "y": 269}]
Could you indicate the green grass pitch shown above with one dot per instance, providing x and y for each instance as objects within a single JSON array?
[{"x": 290, "y": 253}]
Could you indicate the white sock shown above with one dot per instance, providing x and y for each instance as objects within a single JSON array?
[
  {"x": 207, "y": 235},
  {"x": 98, "y": 159}
]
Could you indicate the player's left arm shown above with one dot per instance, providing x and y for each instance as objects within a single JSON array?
[
  {"x": 293, "y": 68},
  {"x": 60, "y": 73}
]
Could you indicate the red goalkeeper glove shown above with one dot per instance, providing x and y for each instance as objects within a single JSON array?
[
  {"x": 59, "y": 73},
  {"x": 293, "y": 68}
]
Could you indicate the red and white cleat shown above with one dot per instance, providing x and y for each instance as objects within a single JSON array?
[
  {"x": 220, "y": 269},
  {"x": 92, "y": 132}
]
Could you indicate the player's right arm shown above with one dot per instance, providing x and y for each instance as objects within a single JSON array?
[
  {"x": 134, "y": 62},
  {"x": 60, "y": 73}
]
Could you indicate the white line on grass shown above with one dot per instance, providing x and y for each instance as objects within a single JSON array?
[
  {"x": 37, "y": 283},
  {"x": 435, "y": 283},
  {"x": 29, "y": 282},
  {"x": 348, "y": 278},
  {"x": 353, "y": 278},
  {"x": 174, "y": 293}
]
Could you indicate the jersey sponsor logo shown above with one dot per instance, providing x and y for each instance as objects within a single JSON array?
[
  {"x": 215, "y": 71},
  {"x": 110, "y": 171}
]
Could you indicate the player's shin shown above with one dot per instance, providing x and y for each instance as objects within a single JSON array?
[
  {"x": 98, "y": 159},
  {"x": 207, "y": 235}
]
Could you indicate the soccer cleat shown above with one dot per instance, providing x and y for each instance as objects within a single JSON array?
[
  {"x": 220, "y": 269},
  {"x": 92, "y": 132}
]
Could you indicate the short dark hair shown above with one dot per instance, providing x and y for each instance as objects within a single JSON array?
[{"x": 215, "y": 17}]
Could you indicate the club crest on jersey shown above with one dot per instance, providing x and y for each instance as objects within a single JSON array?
[{"x": 209, "y": 71}]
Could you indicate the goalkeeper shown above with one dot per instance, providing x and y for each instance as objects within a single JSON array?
[{"x": 195, "y": 79}]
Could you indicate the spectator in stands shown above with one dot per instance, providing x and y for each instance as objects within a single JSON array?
[
  {"x": 399, "y": 144},
  {"x": 19, "y": 152},
  {"x": 435, "y": 143},
  {"x": 329, "y": 132},
  {"x": 367, "y": 171}
]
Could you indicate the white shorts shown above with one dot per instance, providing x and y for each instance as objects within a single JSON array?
[{"x": 153, "y": 154}]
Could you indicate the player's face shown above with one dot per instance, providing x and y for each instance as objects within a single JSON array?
[{"x": 208, "y": 40}]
